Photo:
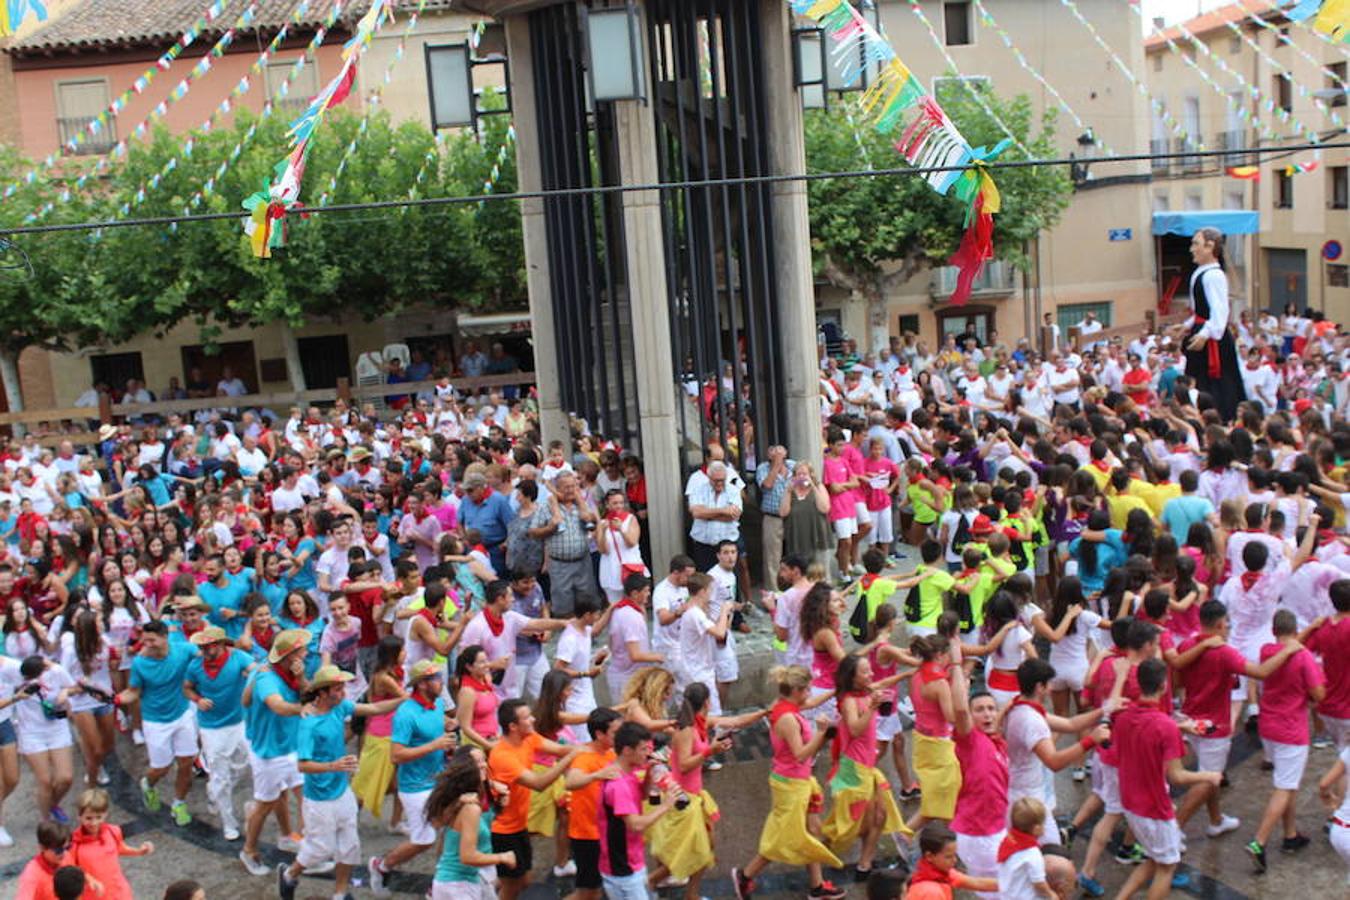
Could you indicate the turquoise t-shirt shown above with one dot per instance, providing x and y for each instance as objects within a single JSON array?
[
  {"x": 231, "y": 596},
  {"x": 415, "y": 725},
  {"x": 323, "y": 739},
  {"x": 160, "y": 682},
  {"x": 449, "y": 868},
  {"x": 1180, "y": 513},
  {"x": 274, "y": 592},
  {"x": 305, "y": 579},
  {"x": 270, "y": 734},
  {"x": 225, "y": 691},
  {"x": 315, "y": 629}
]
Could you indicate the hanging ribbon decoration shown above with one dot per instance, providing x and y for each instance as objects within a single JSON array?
[
  {"x": 266, "y": 225},
  {"x": 1245, "y": 173},
  {"x": 1281, "y": 68},
  {"x": 1303, "y": 168},
  {"x": 897, "y": 101},
  {"x": 13, "y": 13},
  {"x": 1329, "y": 17}
]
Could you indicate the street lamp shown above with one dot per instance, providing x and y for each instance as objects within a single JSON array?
[
  {"x": 1087, "y": 149},
  {"x": 450, "y": 82},
  {"x": 614, "y": 52}
]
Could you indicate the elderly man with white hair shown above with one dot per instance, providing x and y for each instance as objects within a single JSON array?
[
  {"x": 716, "y": 510},
  {"x": 565, "y": 523}
]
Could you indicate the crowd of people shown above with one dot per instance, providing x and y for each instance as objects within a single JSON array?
[{"x": 434, "y": 621}]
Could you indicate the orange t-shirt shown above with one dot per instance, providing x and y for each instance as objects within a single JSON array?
[
  {"x": 583, "y": 822},
  {"x": 506, "y": 764}
]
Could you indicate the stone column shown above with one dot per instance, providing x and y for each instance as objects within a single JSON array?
[
  {"x": 645, "y": 261},
  {"x": 552, "y": 417},
  {"x": 793, "y": 284}
]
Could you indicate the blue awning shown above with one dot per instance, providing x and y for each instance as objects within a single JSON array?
[{"x": 1229, "y": 221}]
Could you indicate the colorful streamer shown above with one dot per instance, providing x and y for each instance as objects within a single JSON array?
[
  {"x": 1288, "y": 41},
  {"x": 1301, "y": 168},
  {"x": 897, "y": 103},
  {"x": 1246, "y": 173},
  {"x": 1280, "y": 67},
  {"x": 13, "y": 13},
  {"x": 1329, "y": 17}
]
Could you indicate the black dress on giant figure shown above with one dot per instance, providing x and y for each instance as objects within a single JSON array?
[{"x": 1211, "y": 355}]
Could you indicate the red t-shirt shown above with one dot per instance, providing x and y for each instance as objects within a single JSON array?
[
  {"x": 1146, "y": 740},
  {"x": 1208, "y": 682},
  {"x": 982, "y": 805},
  {"x": 1285, "y": 695},
  {"x": 363, "y": 606},
  {"x": 1332, "y": 643}
]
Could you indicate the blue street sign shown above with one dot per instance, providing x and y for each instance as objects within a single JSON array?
[{"x": 1119, "y": 234}]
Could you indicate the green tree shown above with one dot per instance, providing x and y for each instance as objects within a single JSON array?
[{"x": 870, "y": 235}]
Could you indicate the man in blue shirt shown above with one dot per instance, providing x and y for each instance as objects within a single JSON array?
[
  {"x": 184, "y": 616},
  {"x": 225, "y": 595},
  {"x": 1180, "y": 513},
  {"x": 167, "y": 719},
  {"x": 489, "y": 513},
  {"x": 773, "y": 476},
  {"x": 272, "y": 723},
  {"x": 329, "y": 804},
  {"x": 418, "y": 741},
  {"x": 214, "y": 683}
]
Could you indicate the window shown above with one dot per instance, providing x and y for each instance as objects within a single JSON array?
[
  {"x": 1282, "y": 37},
  {"x": 1234, "y": 45},
  {"x": 1337, "y": 82},
  {"x": 299, "y": 92},
  {"x": 1070, "y": 314},
  {"x": 1195, "y": 201},
  {"x": 115, "y": 369},
  {"x": 1161, "y": 201},
  {"x": 1284, "y": 92},
  {"x": 1338, "y": 275},
  {"x": 954, "y": 321},
  {"x": 909, "y": 324},
  {"x": 956, "y": 21},
  {"x": 1157, "y": 62},
  {"x": 1340, "y": 187},
  {"x": 77, "y": 104},
  {"x": 1284, "y": 190}
]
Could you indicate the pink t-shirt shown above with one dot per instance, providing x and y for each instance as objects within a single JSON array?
[
  {"x": 621, "y": 849},
  {"x": 1285, "y": 695},
  {"x": 1208, "y": 682},
  {"x": 1332, "y": 643},
  {"x": 1146, "y": 740},
  {"x": 853, "y": 458},
  {"x": 877, "y": 498},
  {"x": 982, "y": 805},
  {"x": 497, "y": 645},
  {"x": 834, "y": 470},
  {"x": 626, "y": 625}
]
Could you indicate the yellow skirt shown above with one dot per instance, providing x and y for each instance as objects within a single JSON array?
[
  {"x": 785, "y": 837},
  {"x": 939, "y": 775},
  {"x": 374, "y": 774},
  {"x": 852, "y": 790},
  {"x": 682, "y": 841},
  {"x": 544, "y": 805}
]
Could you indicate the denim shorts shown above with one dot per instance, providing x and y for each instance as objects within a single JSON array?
[
  {"x": 627, "y": 887},
  {"x": 7, "y": 735}
]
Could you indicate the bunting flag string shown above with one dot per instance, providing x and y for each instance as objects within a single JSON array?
[
  {"x": 1159, "y": 109},
  {"x": 14, "y": 12},
  {"x": 896, "y": 103},
  {"x": 1287, "y": 41},
  {"x": 965, "y": 84},
  {"x": 1301, "y": 168},
  {"x": 1279, "y": 67},
  {"x": 987, "y": 18},
  {"x": 1264, "y": 101},
  {"x": 503, "y": 154},
  {"x": 376, "y": 97},
  {"x": 266, "y": 225},
  {"x": 1329, "y": 17},
  {"x": 139, "y": 86}
]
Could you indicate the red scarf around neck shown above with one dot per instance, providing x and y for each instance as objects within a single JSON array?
[
  {"x": 701, "y": 728},
  {"x": 1015, "y": 842},
  {"x": 1249, "y": 579},
  {"x": 926, "y": 871},
  {"x": 433, "y": 617},
  {"x": 628, "y": 602},
  {"x": 1022, "y": 701},
  {"x": 423, "y": 701},
  {"x": 190, "y": 630},
  {"x": 496, "y": 624},
  {"x": 783, "y": 708},
  {"x": 213, "y": 667},
  {"x": 1101, "y": 465},
  {"x": 263, "y": 636},
  {"x": 868, "y": 580},
  {"x": 294, "y": 682}
]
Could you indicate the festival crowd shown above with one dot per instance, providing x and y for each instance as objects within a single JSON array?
[{"x": 425, "y": 617}]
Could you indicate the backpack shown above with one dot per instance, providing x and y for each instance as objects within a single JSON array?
[
  {"x": 913, "y": 606},
  {"x": 961, "y": 536},
  {"x": 859, "y": 622}
]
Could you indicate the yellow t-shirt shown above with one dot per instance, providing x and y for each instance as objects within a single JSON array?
[{"x": 1120, "y": 506}]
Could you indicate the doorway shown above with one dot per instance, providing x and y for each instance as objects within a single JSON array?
[
  {"x": 1287, "y": 275},
  {"x": 237, "y": 355},
  {"x": 324, "y": 360}
]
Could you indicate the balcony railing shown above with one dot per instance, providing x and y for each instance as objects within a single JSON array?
[
  {"x": 68, "y": 127},
  {"x": 1232, "y": 140},
  {"x": 998, "y": 277},
  {"x": 1161, "y": 167},
  {"x": 1186, "y": 145}
]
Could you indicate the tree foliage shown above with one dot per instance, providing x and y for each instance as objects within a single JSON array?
[
  {"x": 872, "y": 234},
  {"x": 87, "y": 287}
]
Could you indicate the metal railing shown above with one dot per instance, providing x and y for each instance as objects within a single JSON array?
[
  {"x": 1232, "y": 140},
  {"x": 67, "y": 127},
  {"x": 1188, "y": 145},
  {"x": 1161, "y": 167},
  {"x": 997, "y": 277}
]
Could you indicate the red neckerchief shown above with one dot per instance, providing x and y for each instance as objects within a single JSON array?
[
  {"x": 422, "y": 701},
  {"x": 783, "y": 708},
  {"x": 419, "y": 519},
  {"x": 263, "y": 636},
  {"x": 213, "y": 667},
  {"x": 481, "y": 549},
  {"x": 1022, "y": 701},
  {"x": 931, "y": 671},
  {"x": 926, "y": 871},
  {"x": 1181, "y": 448},
  {"x": 495, "y": 622},
  {"x": 47, "y": 867},
  {"x": 1085, "y": 441},
  {"x": 966, "y": 573},
  {"x": 701, "y": 728},
  {"x": 1101, "y": 465},
  {"x": 396, "y": 673},
  {"x": 292, "y": 543},
  {"x": 1015, "y": 842},
  {"x": 303, "y": 622},
  {"x": 433, "y": 618},
  {"x": 1249, "y": 580},
  {"x": 481, "y": 687},
  {"x": 632, "y": 604},
  {"x": 868, "y": 580},
  {"x": 189, "y": 631},
  {"x": 293, "y": 681}
]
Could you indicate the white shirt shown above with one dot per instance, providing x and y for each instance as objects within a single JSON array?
[
  {"x": 1018, "y": 874},
  {"x": 232, "y": 388},
  {"x": 698, "y": 649},
  {"x": 1064, "y": 385},
  {"x": 666, "y": 597},
  {"x": 1216, "y": 292},
  {"x": 251, "y": 462},
  {"x": 285, "y": 499},
  {"x": 1261, "y": 383},
  {"x": 709, "y": 531},
  {"x": 1024, "y": 728},
  {"x": 574, "y": 651}
]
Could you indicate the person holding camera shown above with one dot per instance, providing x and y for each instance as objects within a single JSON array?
[{"x": 42, "y": 721}]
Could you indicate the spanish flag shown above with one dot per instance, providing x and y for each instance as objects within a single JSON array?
[{"x": 1246, "y": 173}]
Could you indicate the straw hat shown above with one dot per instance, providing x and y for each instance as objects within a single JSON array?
[
  {"x": 286, "y": 643},
  {"x": 107, "y": 432},
  {"x": 193, "y": 602},
  {"x": 209, "y": 635},
  {"x": 422, "y": 670},
  {"x": 327, "y": 676}
]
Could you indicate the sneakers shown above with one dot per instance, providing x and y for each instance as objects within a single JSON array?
[
  {"x": 285, "y": 887},
  {"x": 377, "y": 874},
  {"x": 1090, "y": 886},
  {"x": 860, "y": 875},
  {"x": 289, "y": 843},
  {"x": 1224, "y": 825},
  {"x": 6, "y": 840},
  {"x": 713, "y": 765},
  {"x": 149, "y": 796},
  {"x": 1181, "y": 880},
  {"x": 910, "y": 793},
  {"x": 322, "y": 868},
  {"x": 1321, "y": 742},
  {"x": 565, "y": 871},
  {"x": 824, "y": 891},
  {"x": 1132, "y": 855},
  {"x": 103, "y": 779},
  {"x": 906, "y": 707},
  {"x": 1067, "y": 833},
  {"x": 138, "y": 737},
  {"x": 59, "y": 815},
  {"x": 1294, "y": 844},
  {"x": 1079, "y": 773},
  {"x": 745, "y": 887},
  {"x": 229, "y": 826},
  {"x": 1258, "y": 855},
  {"x": 255, "y": 866},
  {"x": 181, "y": 817}
]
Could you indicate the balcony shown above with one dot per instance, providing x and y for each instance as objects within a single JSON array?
[
  {"x": 997, "y": 277},
  {"x": 1188, "y": 164},
  {"x": 68, "y": 127},
  {"x": 1161, "y": 167},
  {"x": 1232, "y": 140}
]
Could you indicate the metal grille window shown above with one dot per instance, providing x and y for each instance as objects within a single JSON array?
[
  {"x": 1070, "y": 314},
  {"x": 78, "y": 103},
  {"x": 299, "y": 92}
]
